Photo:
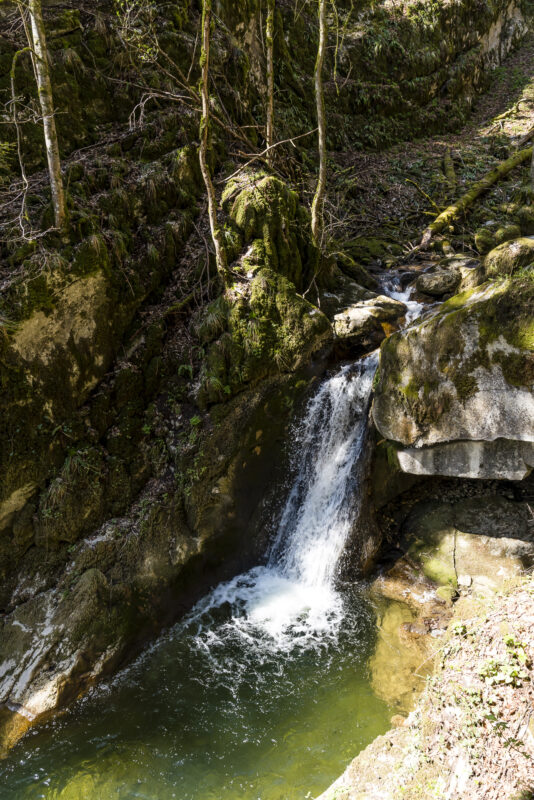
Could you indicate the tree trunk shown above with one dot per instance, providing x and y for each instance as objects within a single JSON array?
[
  {"x": 317, "y": 221},
  {"x": 269, "y": 39},
  {"x": 216, "y": 234},
  {"x": 451, "y": 213},
  {"x": 44, "y": 89}
]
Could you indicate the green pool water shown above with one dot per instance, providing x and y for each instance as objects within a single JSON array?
[{"x": 217, "y": 710}]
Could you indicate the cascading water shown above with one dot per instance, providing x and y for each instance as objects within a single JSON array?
[
  {"x": 293, "y": 599},
  {"x": 262, "y": 691}
]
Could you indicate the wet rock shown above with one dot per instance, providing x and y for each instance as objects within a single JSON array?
[
  {"x": 385, "y": 309},
  {"x": 357, "y": 330},
  {"x": 396, "y": 659},
  {"x": 438, "y": 283},
  {"x": 358, "y": 321},
  {"x": 406, "y": 583},
  {"x": 509, "y": 257},
  {"x": 361, "y": 327},
  {"x": 342, "y": 293}
]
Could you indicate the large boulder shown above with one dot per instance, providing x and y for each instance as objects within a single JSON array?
[
  {"x": 508, "y": 257},
  {"x": 262, "y": 324},
  {"x": 455, "y": 392}
]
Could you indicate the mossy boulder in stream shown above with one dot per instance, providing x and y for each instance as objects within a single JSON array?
[{"x": 455, "y": 393}]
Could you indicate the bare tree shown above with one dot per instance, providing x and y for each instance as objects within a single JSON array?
[
  {"x": 37, "y": 42},
  {"x": 216, "y": 233},
  {"x": 320, "y": 190},
  {"x": 269, "y": 40},
  {"x": 317, "y": 221}
]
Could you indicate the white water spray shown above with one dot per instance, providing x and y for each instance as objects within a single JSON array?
[{"x": 294, "y": 599}]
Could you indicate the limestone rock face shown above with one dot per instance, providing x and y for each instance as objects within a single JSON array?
[
  {"x": 106, "y": 536},
  {"x": 502, "y": 459},
  {"x": 456, "y": 391},
  {"x": 459, "y": 551},
  {"x": 478, "y": 542}
]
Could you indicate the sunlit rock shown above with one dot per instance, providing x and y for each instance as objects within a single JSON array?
[{"x": 455, "y": 392}]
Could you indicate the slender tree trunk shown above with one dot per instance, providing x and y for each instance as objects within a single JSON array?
[
  {"x": 318, "y": 200},
  {"x": 216, "y": 234},
  {"x": 269, "y": 39},
  {"x": 46, "y": 100}
]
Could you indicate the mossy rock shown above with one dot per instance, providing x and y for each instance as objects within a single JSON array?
[
  {"x": 509, "y": 257},
  {"x": 370, "y": 250},
  {"x": 268, "y": 215},
  {"x": 266, "y": 328},
  {"x": 475, "y": 352},
  {"x": 356, "y": 272},
  {"x": 525, "y": 217},
  {"x": 506, "y": 233},
  {"x": 438, "y": 283}
]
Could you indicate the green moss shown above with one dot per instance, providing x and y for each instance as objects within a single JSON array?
[
  {"x": 368, "y": 250},
  {"x": 439, "y": 572},
  {"x": 268, "y": 216},
  {"x": 91, "y": 256},
  {"x": 355, "y": 271},
  {"x": 465, "y": 383}
]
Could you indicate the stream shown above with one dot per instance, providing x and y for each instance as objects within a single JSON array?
[{"x": 262, "y": 692}]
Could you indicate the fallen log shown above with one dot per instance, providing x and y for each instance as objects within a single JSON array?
[{"x": 448, "y": 216}]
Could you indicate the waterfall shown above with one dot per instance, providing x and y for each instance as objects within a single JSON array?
[
  {"x": 293, "y": 599},
  {"x": 322, "y": 505}
]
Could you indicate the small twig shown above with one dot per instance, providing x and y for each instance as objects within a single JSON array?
[{"x": 263, "y": 153}]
